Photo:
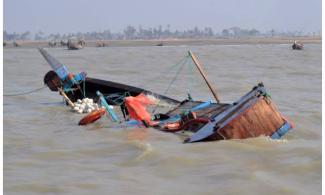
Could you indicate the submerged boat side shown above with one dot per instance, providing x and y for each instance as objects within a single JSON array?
[{"x": 113, "y": 92}]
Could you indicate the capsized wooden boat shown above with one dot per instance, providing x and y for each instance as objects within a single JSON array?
[{"x": 253, "y": 115}]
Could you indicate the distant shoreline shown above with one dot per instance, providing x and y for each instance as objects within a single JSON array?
[{"x": 177, "y": 42}]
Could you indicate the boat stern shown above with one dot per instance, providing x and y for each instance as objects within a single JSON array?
[{"x": 253, "y": 115}]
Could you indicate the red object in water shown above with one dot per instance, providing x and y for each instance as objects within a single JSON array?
[
  {"x": 92, "y": 117},
  {"x": 172, "y": 127},
  {"x": 177, "y": 126}
]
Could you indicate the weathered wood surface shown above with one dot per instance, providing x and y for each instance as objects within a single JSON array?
[{"x": 262, "y": 118}]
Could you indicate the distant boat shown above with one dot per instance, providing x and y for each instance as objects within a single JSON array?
[
  {"x": 101, "y": 44},
  {"x": 75, "y": 45},
  {"x": 297, "y": 46},
  {"x": 16, "y": 44},
  {"x": 63, "y": 43},
  {"x": 4, "y": 44},
  {"x": 52, "y": 43},
  {"x": 160, "y": 44}
]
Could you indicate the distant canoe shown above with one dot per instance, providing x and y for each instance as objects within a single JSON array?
[
  {"x": 63, "y": 43},
  {"x": 101, "y": 44},
  {"x": 16, "y": 44},
  {"x": 52, "y": 44},
  {"x": 75, "y": 45},
  {"x": 298, "y": 46}
]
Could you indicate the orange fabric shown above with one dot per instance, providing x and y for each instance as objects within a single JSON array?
[
  {"x": 143, "y": 99},
  {"x": 136, "y": 107}
]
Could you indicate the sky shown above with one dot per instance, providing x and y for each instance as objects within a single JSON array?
[{"x": 64, "y": 16}]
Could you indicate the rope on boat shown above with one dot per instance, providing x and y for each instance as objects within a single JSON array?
[
  {"x": 187, "y": 62},
  {"x": 181, "y": 63},
  {"x": 172, "y": 81},
  {"x": 165, "y": 73},
  {"x": 175, "y": 77},
  {"x": 84, "y": 87},
  {"x": 27, "y": 92}
]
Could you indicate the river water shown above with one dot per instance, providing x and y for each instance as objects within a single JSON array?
[{"x": 46, "y": 152}]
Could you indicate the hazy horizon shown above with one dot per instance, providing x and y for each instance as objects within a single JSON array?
[{"x": 71, "y": 16}]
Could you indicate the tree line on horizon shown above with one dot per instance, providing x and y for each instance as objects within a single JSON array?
[{"x": 140, "y": 33}]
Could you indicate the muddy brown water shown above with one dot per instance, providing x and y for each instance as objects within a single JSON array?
[{"x": 46, "y": 152}]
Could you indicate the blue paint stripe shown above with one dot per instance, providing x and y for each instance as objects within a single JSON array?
[
  {"x": 200, "y": 106},
  {"x": 281, "y": 131}
]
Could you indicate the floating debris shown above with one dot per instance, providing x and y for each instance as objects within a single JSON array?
[{"x": 85, "y": 105}]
